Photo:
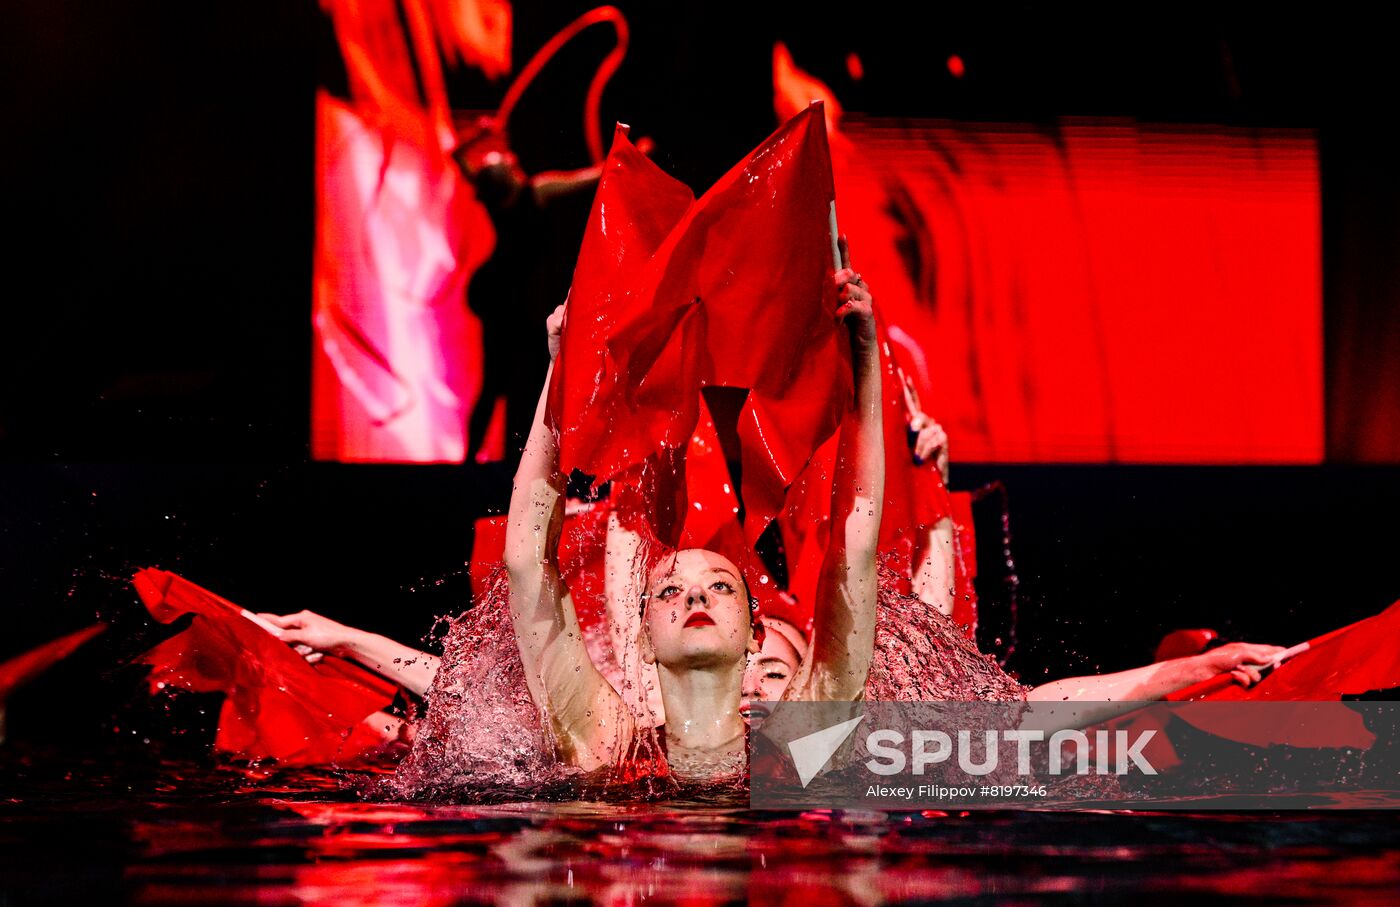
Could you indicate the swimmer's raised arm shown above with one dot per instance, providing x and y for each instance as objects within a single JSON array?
[
  {"x": 585, "y": 712},
  {"x": 929, "y": 440},
  {"x": 312, "y": 634},
  {"x": 843, "y": 634}
]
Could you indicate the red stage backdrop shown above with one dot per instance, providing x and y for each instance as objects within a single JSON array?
[
  {"x": 1097, "y": 291},
  {"x": 396, "y": 356}
]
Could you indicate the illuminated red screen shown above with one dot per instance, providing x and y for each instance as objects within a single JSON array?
[
  {"x": 1083, "y": 292},
  {"x": 1099, "y": 291}
]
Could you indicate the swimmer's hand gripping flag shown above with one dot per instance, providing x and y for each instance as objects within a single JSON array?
[
  {"x": 1359, "y": 658},
  {"x": 672, "y": 294},
  {"x": 276, "y": 706}
]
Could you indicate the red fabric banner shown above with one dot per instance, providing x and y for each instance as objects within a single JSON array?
[
  {"x": 915, "y": 500},
  {"x": 277, "y": 706},
  {"x": 1356, "y": 659},
  {"x": 731, "y": 290},
  {"x": 1360, "y": 658}
]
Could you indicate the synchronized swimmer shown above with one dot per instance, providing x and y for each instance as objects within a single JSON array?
[{"x": 714, "y": 655}]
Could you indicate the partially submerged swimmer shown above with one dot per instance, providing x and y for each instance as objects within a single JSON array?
[
  {"x": 697, "y": 631},
  {"x": 785, "y": 645},
  {"x": 697, "y": 626},
  {"x": 771, "y": 669}
]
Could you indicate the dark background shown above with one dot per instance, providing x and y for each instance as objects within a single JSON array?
[{"x": 154, "y": 384}]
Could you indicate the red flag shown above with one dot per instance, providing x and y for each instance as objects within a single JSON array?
[
  {"x": 599, "y": 402},
  {"x": 277, "y": 706},
  {"x": 710, "y": 522},
  {"x": 965, "y": 562},
  {"x": 1356, "y": 659},
  {"x": 731, "y": 290},
  {"x": 915, "y": 500},
  {"x": 1359, "y": 658}
]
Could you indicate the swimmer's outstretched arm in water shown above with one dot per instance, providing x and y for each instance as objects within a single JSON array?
[
  {"x": 1243, "y": 660},
  {"x": 843, "y": 636},
  {"x": 1104, "y": 696},
  {"x": 590, "y": 723},
  {"x": 934, "y": 568},
  {"x": 311, "y": 635}
]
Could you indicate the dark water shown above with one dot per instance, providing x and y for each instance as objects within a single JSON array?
[{"x": 185, "y": 832}]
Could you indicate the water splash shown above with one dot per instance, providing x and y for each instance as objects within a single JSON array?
[
  {"x": 482, "y": 738},
  {"x": 480, "y": 730},
  {"x": 922, "y": 655},
  {"x": 1012, "y": 578}
]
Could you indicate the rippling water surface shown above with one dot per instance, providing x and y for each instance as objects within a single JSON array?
[{"x": 183, "y": 832}]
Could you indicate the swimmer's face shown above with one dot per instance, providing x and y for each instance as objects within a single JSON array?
[
  {"x": 767, "y": 676},
  {"x": 697, "y": 613}
]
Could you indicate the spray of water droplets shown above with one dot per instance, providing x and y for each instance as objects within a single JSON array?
[
  {"x": 922, "y": 655},
  {"x": 482, "y": 738}
]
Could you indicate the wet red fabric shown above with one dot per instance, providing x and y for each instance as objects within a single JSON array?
[
  {"x": 915, "y": 496},
  {"x": 276, "y": 706},
  {"x": 23, "y": 668},
  {"x": 488, "y": 551},
  {"x": 711, "y": 500},
  {"x": 1305, "y": 722},
  {"x": 607, "y": 416},
  {"x": 915, "y": 499},
  {"x": 1356, "y": 659},
  {"x": 733, "y": 289},
  {"x": 581, "y": 560},
  {"x": 700, "y": 479},
  {"x": 1315, "y": 725}
]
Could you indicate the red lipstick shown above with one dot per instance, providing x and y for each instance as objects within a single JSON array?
[{"x": 699, "y": 619}]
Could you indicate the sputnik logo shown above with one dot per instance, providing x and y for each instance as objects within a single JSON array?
[{"x": 811, "y": 753}]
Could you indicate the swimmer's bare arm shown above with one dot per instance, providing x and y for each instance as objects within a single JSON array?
[
  {"x": 313, "y": 634},
  {"x": 622, "y": 587},
  {"x": 587, "y": 715},
  {"x": 843, "y": 633},
  {"x": 1241, "y": 659},
  {"x": 933, "y": 573}
]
